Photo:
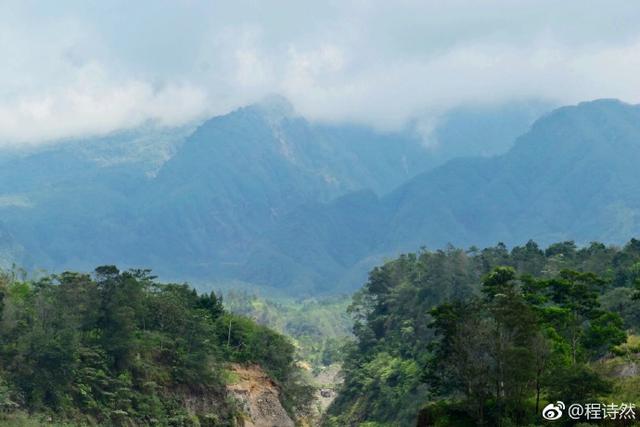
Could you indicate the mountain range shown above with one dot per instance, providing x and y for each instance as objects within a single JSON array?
[{"x": 264, "y": 196}]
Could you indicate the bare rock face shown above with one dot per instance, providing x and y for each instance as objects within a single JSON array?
[{"x": 259, "y": 396}]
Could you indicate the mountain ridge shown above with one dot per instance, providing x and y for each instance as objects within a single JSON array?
[
  {"x": 259, "y": 195},
  {"x": 561, "y": 181}
]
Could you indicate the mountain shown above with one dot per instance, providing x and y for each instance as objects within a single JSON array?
[
  {"x": 572, "y": 176},
  {"x": 189, "y": 201},
  {"x": 69, "y": 203},
  {"x": 9, "y": 250},
  {"x": 238, "y": 175},
  {"x": 482, "y": 131},
  {"x": 260, "y": 195}
]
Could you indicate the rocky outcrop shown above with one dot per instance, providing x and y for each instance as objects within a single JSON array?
[{"x": 259, "y": 397}]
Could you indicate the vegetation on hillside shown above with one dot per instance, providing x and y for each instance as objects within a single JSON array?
[
  {"x": 261, "y": 196},
  {"x": 118, "y": 348},
  {"x": 488, "y": 337},
  {"x": 318, "y": 327}
]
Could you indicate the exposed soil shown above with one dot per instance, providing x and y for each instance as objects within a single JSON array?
[{"x": 259, "y": 397}]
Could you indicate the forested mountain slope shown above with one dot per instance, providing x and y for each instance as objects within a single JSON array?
[
  {"x": 225, "y": 200},
  {"x": 572, "y": 176},
  {"x": 489, "y": 337},
  {"x": 118, "y": 349},
  {"x": 238, "y": 175}
]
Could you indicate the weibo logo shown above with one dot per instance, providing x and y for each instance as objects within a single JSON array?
[{"x": 553, "y": 411}]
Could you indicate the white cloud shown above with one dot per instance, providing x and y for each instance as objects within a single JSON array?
[
  {"x": 92, "y": 104},
  {"x": 82, "y": 68}
]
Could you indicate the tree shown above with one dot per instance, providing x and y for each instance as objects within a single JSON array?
[
  {"x": 462, "y": 362},
  {"x": 575, "y": 299},
  {"x": 122, "y": 296},
  {"x": 576, "y": 384}
]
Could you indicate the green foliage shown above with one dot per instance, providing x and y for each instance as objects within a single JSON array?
[
  {"x": 487, "y": 336},
  {"x": 118, "y": 348},
  {"x": 318, "y": 327},
  {"x": 390, "y": 324},
  {"x": 576, "y": 383}
]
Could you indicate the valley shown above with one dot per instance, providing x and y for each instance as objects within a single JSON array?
[{"x": 349, "y": 213}]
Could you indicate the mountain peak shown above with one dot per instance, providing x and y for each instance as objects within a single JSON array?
[
  {"x": 601, "y": 121},
  {"x": 275, "y": 107},
  {"x": 588, "y": 108},
  {"x": 603, "y": 102}
]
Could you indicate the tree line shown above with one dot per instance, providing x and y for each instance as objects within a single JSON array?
[
  {"x": 119, "y": 348},
  {"x": 487, "y": 337}
]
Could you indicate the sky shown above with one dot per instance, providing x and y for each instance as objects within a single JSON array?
[{"x": 84, "y": 68}]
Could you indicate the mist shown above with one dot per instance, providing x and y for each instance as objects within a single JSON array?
[{"x": 77, "y": 69}]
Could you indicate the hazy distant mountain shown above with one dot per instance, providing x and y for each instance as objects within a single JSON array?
[
  {"x": 574, "y": 175},
  {"x": 69, "y": 204},
  {"x": 238, "y": 175},
  {"x": 482, "y": 131},
  {"x": 260, "y": 194},
  {"x": 10, "y": 252}
]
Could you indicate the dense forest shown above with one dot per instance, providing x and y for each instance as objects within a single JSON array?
[
  {"x": 118, "y": 348},
  {"x": 489, "y": 337}
]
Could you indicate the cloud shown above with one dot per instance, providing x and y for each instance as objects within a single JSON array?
[
  {"x": 92, "y": 104},
  {"x": 388, "y": 94},
  {"x": 86, "y": 68}
]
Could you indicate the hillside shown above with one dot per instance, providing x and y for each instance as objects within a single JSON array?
[
  {"x": 491, "y": 336},
  {"x": 318, "y": 327},
  {"x": 120, "y": 349},
  {"x": 231, "y": 198},
  {"x": 239, "y": 174},
  {"x": 572, "y": 176}
]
